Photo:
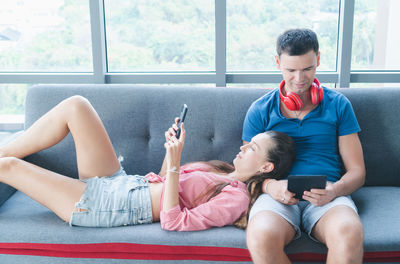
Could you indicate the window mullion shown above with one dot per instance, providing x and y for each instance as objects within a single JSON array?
[
  {"x": 220, "y": 42},
  {"x": 99, "y": 52},
  {"x": 346, "y": 20}
]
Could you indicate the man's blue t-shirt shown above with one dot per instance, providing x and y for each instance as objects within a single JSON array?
[{"x": 316, "y": 136}]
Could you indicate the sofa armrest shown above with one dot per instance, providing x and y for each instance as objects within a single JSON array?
[{"x": 5, "y": 190}]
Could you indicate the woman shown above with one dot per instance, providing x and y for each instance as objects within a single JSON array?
[{"x": 195, "y": 196}]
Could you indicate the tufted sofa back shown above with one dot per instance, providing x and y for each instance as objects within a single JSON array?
[{"x": 136, "y": 118}]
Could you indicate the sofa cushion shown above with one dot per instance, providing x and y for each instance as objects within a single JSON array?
[
  {"x": 377, "y": 111},
  {"x": 28, "y": 228},
  {"x": 379, "y": 211}
]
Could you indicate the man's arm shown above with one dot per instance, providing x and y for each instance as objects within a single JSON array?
[{"x": 350, "y": 150}]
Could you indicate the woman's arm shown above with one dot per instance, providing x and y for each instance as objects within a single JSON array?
[
  {"x": 163, "y": 170},
  {"x": 223, "y": 209},
  {"x": 173, "y": 154},
  {"x": 168, "y": 134}
]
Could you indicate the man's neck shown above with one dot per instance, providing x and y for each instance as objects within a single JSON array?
[{"x": 306, "y": 99}]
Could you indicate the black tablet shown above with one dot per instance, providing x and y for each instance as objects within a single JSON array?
[{"x": 299, "y": 183}]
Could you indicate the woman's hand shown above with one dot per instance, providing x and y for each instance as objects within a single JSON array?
[
  {"x": 172, "y": 161},
  {"x": 172, "y": 130},
  {"x": 278, "y": 190},
  {"x": 173, "y": 145},
  {"x": 320, "y": 197}
]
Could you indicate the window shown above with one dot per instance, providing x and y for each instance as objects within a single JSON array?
[
  {"x": 253, "y": 27},
  {"x": 45, "y": 35},
  {"x": 167, "y": 42},
  {"x": 374, "y": 85},
  {"x": 12, "y": 106},
  {"x": 12, "y": 98},
  {"x": 160, "y": 35},
  {"x": 376, "y": 37}
]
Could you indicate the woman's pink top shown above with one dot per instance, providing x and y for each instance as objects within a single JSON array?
[{"x": 196, "y": 178}]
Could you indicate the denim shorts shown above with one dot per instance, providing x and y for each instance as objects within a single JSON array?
[
  {"x": 116, "y": 200},
  {"x": 303, "y": 214}
]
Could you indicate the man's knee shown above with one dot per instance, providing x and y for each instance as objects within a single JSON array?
[
  {"x": 348, "y": 233},
  {"x": 351, "y": 231},
  {"x": 263, "y": 231},
  {"x": 345, "y": 240}
]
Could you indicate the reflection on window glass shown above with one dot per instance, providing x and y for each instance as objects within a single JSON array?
[
  {"x": 253, "y": 27},
  {"x": 374, "y": 85},
  {"x": 45, "y": 35},
  {"x": 267, "y": 85},
  {"x": 12, "y": 99},
  {"x": 376, "y": 38},
  {"x": 160, "y": 35}
]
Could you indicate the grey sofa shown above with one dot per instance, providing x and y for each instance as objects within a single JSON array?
[{"x": 136, "y": 118}]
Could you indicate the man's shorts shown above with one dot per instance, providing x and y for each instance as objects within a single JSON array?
[{"x": 302, "y": 216}]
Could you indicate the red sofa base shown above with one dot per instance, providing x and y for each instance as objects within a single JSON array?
[{"x": 163, "y": 252}]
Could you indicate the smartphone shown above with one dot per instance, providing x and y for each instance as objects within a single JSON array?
[
  {"x": 181, "y": 119},
  {"x": 299, "y": 183}
]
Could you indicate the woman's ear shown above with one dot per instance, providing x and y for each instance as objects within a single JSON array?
[{"x": 267, "y": 167}]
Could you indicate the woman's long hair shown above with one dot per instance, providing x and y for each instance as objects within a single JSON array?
[{"x": 282, "y": 155}]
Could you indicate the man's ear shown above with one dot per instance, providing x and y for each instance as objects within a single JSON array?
[
  {"x": 318, "y": 57},
  {"x": 278, "y": 63},
  {"x": 267, "y": 167}
]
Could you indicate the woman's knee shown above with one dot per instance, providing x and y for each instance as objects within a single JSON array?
[
  {"x": 75, "y": 107},
  {"x": 77, "y": 103},
  {"x": 8, "y": 163}
]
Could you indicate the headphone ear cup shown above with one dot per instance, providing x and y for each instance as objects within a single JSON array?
[
  {"x": 295, "y": 102},
  {"x": 292, "y": 101},
  {"x": 314, "y": 94},
  {"x": 317, "y": 92},
  {"x": 290, "y": 104},
  {"x": 321, "y": 94}
]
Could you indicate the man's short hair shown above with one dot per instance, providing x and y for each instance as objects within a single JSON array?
[{"x": 296, "y": 42}]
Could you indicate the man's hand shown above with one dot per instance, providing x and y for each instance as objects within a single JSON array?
[{"x": 320, "y": 197}]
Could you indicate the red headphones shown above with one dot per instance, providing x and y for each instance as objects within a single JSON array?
[{"x": 293, "y": 101}]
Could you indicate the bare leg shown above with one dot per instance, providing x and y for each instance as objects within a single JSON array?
[
  {"x": 266, "y": 236},
  {"x": 57, "y": 192},
  {"x": 342, "y": 232},
  {"x": 94, "y": 151}
]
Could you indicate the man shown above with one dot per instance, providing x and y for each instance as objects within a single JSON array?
[{"x": 323, "y": 125}]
